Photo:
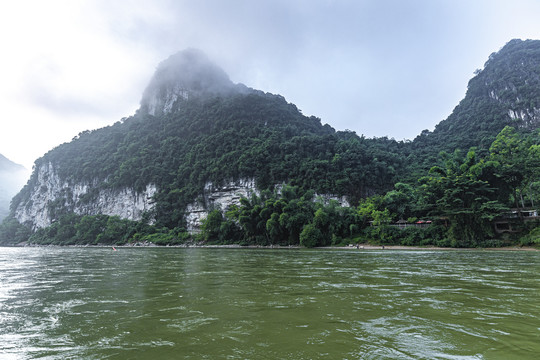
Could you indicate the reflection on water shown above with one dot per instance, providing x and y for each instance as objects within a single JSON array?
[{"x": 95, "y": 303}]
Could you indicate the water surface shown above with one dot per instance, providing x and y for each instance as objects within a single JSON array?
[{"x": 142, "y": 303}]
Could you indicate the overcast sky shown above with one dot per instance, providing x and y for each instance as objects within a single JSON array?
[{"x": 377, "y": 67}]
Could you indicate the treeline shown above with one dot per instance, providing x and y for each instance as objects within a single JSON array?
[
  {"x": 460, "y": 199},
  {"x": 73, "y": 229}
]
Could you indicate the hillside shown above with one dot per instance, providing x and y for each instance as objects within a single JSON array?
[
  {"x": 205, "y": 155},
  {"x": 505, "y": 92}
]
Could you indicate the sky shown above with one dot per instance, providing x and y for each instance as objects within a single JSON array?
[{"x": 377, "y": 67}]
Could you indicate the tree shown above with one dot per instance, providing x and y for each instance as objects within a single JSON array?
[
  {"x": 400, "y": 200},
  {"x": 211, "y": 226},
  {"x": 509, "y": 154},
  {"x": 310, "y": 236},
  {"x": 470, "y": 204}
]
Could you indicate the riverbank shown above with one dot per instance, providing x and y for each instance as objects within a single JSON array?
[
  {"x": 359, "y": 247},
  {"x": 349, "y": 247},
  {"x": 434, "y": 248}
]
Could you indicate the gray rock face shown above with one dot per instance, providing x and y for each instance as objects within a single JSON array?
[
  {"x": 126, "y": 203},
  {"x": 530, "y": 117},
  {"x": 79, "y": 198},
  {"x": 218, "y": 197}
]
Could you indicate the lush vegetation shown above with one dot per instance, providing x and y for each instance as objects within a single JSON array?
[
  {"x": 462, "y": 177},
  {"x": 216, "y": 139}
]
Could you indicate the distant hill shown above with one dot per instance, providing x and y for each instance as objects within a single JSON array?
[
  {"x": 12, "y": 178},
  {"x": 7, "y": 165}
]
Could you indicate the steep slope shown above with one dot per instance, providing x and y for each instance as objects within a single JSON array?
[
  {"x": 195, "y": 135},
  {"x": 505, "y": 92}
]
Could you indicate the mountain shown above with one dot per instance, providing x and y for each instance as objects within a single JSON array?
[
  {"x": 505, "y": 92},
  {"x": 184, "y": 75},
  {"x": 199, "y": 141},
  {"x": 203, "y": 153},
  {"x": 12, "y": 178}
]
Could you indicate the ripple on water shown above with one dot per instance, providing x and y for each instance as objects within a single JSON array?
[{"x": 206, "y": 304}]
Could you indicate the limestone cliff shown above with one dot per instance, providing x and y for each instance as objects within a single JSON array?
[
  {"x": 50, "y": 195},
  {"x": 218, "y": 197}
]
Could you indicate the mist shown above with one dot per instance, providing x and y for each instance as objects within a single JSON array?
[{"x": 12, "y": 179}]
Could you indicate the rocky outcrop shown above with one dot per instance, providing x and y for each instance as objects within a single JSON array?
[
  {"x": 222, "y": 197},
  {"x": 218, "y": 197},
  {"x": 50, "y": 194},
  {"x": 530, "y": 118}
]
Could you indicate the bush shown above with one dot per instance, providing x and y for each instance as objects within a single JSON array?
[
  {"x": 531, "y": 238},
  {"x": 310, "y": 236}
]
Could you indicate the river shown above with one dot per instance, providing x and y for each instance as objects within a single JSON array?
[{"x": 199, "y": 303}]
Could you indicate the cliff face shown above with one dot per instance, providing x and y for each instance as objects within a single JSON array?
[
  {"x": 51, "y": 196},
  {"x": 511, "y": 77},
  {"x": 218, "y": 197}
]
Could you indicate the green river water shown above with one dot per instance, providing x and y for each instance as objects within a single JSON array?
[{"x": 220, "y": 303}]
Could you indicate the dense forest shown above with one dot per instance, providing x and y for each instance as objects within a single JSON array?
[{"x": 450, "y": 187}]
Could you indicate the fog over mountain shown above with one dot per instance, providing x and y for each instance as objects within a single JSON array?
[
  {"x": 185, "y": 74},
  {"x": 12, "y": 178}
]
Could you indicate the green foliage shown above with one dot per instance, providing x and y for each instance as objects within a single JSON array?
[
  {"x": 310, "y": 236},
  {"x": 217, "y": 139},
  {"x": 468, "y": 202},
  {"x": 71, "y": 229},
  {"x": 12, "y": 232},
  {"x": 532, "y": 237},
  {"x": 280, "y": 218}
]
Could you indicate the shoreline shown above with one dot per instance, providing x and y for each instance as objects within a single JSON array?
[
  {"x": 432, "y": 248},
  {"x": 360, "y": 247}
]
